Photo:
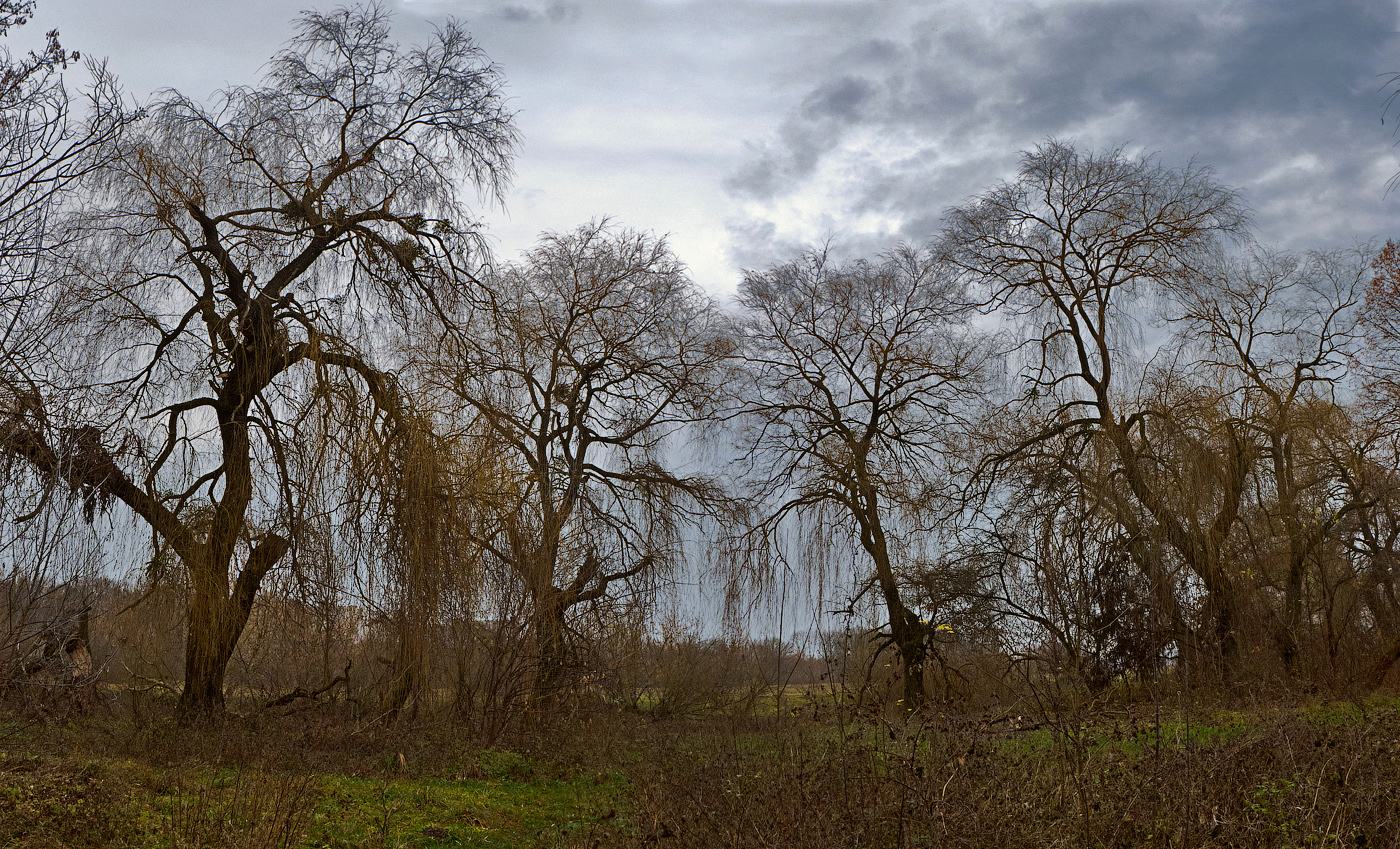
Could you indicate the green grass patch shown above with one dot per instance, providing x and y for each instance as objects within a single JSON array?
[
  {"x": 354, "y": 812},
  {"x": 1173, "y": 734},
  {"x": 52, "y": 802},
  {"x": 1345, "y": 714}
]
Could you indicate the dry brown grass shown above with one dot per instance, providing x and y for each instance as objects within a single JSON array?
[{"x": 1291, "y": 778}]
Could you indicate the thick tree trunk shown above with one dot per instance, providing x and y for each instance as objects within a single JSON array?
[
  {"x": 913, "y": 655},
  {"x": 1293, "y": 613},
  {"x": 215, "y": 620},
  {"x": 1222, "y": 607},
  {"x": 1390, "y": 656},
  {"x": 203, "y": 695},
  {"x": 551, "y": 654},
  {"x": 908, "y": 637},
  {"x": 1383, "y": 610},
  {"x": 410, "y": 662},
  {"x": 209, "y": 644},
  {"x": 413, "y": 624}
]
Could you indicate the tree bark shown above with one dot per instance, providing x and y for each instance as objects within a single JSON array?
[
  {"x": 410, "y": 661},
  {"x": 215, "y": 620},
  {"x": 1387, "y": 661},
  {"x": 550, "y": 650},
  {"x": 906, "y": 631},
  {"x": 207, "y": 653}
]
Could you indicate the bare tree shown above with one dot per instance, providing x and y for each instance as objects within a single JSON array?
[
  {"x": 1065, "y": 248},
  {"x": 1072, "y": 562},
  {"x": 1372, "y": 471},
  {"x": 241, "y": 261},
  {"x": 1369, "y": 468},
  {"x": 1391, "y": 84},
  {"x": 1280, "y": 333},
  {"x": 858, "y": 372},
  {"x": 1380, "y": 325},
  {"x": 582, "y": 366},
  {"x": 47, "y": 143}
]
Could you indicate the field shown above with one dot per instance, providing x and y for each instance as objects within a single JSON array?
[
  {"x": 1314, "y": 774},
  {"x": 485, "y": 798}
]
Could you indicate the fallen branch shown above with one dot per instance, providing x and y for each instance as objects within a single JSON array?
[{"x": 303, "y": 693}]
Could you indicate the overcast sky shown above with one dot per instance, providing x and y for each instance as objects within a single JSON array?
[{"x": 746, "y": 128}]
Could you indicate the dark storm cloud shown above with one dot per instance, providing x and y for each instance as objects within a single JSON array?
[
  {"x": 746, "y": 128},
  {"x": 1282, "y": 99},
  {"x": 556, "y": 12},
  {"x": 805, "y": 137},
  {"x": 841, "y": 98}
]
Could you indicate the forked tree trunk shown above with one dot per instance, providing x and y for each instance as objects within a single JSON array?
[
  {"x": 215, "y": 619},
  {"x": 1200, "y": 550}
]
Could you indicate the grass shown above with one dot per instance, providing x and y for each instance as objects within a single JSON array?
[
  {"x": 443, "y": 813},
  {"x": 1266, "y": 775},
  {"x": 357, "y": 812},
  {"x": 1340, "y": 714},
  {"x": 49, "y": 802},
  {"x": 1176, "y": 732}
]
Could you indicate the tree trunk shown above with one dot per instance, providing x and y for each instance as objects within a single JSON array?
[
  {"x": 1386, "y": 621},
  {"x": 208, "y": 648},
  {"x": 413, "y": 625},
  {"x": 215, "y": 620},
  {"x": 551, "y": 656},
  {"x": 907, "y": 633},
  {"x": 913, "y": 655},
  {"x": 1225, "y": 638},
  {"x": 1381, "y": 670},
  {"x": 1293, "y": 612},
  {"x": 1290, "y": 635},
  {"x": 410, "y": 662}
]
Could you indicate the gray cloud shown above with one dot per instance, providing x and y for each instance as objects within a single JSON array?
[
  {"x": 747, "y": 128},
  {"x": 841, "y": 99},
  {"x": 1282, "y": 99},
  {"x": 805, "y": 137},
  {"x": 554, "y": 12}
]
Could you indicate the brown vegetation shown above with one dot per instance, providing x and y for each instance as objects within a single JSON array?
[{"x": 1092, "y": 503}]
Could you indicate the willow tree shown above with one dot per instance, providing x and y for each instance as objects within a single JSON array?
[
  {"x": 51, "y": 136},
  {"x": 1070, "y": 250},
  {"x": 46, "y": 146},
  {"x": 240, "y": 259},
  {"x": 583, "y": 366},
  {"x": 1280, "y": 333},
  {"x": 1374, "y": 473},
  {"x": 858, "y": 374}
]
